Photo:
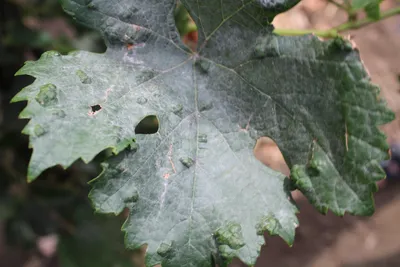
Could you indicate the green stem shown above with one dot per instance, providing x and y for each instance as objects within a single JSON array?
[
  {"x": 334, "y": 32},
  {"x": 293, "y": 32},
  {"x": 364, "y": 22}
]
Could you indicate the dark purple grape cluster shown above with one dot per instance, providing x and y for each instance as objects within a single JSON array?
[{"x": 392, "y": 166}]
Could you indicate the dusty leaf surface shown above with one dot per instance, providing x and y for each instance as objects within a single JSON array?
[{"x": 194, "y": 189}]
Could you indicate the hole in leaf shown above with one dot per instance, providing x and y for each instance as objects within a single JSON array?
[
  {"x": 139, "y": 255},
  {"x": 148, "y": 125},
  {"x": 268, "y": 152},
  {"x": 186, "y": 26},
  {"x": 95, "y": 108}
]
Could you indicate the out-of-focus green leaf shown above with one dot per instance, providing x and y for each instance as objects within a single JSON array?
[
  {"x": 94, "y": 241},
  {"x": 371, "y": 7}
]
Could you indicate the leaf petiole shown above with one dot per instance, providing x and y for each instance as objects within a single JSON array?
[{"x": 334, "y": 32}]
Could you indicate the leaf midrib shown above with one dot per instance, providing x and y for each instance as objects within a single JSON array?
[{"x": 197, "y": 114}]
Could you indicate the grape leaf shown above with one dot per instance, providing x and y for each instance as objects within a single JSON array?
[{"x": 196, "y": 193}]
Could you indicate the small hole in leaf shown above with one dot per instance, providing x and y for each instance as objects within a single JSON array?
[
  {"x": 268, "y": 152},
  {"x": 148, "y": 125},
  {"x": 186, "y": 26},
  {"x": 95, "y": 108}
]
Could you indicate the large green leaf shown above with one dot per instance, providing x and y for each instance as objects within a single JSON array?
[{"x": 194, "y": 188}]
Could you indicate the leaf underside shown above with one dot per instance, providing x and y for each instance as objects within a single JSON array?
[{"x": 194, "y": 189}]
